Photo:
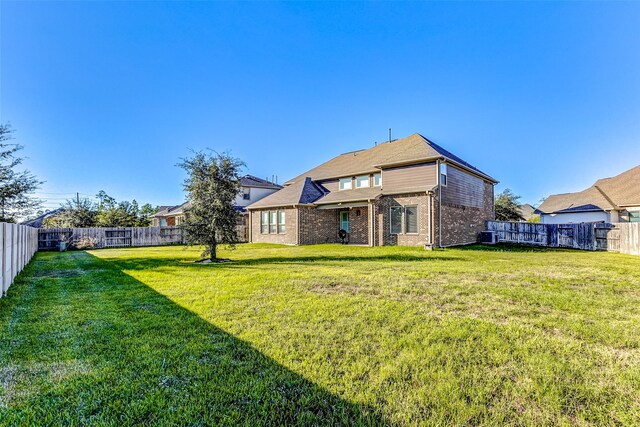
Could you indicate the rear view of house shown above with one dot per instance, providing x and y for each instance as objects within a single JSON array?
[
  {"x": 611, "y": 200},
  {"x": 408, "y": 191}
]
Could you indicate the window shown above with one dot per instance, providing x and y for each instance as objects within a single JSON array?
[
  {"x": 273, "y": 222},
  {"x": 634, "y": 216},
  {"x": 345, "y": 183},
  {"x": 264, "y": 222},
  {"x": 273, "y": 227},
  {"x": 377, "y": 179},
  {"x": 395, "y": 219},
  {"x": 411, "y": 219},
  {"x": 281, "y": 223},
  {"x": 362, "y": 181},
  {"x": 246, "y": 193},
  {"x": 443, "y": 174}
]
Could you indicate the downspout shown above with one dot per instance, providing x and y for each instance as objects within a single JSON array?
[
  {"x": 439, "y": 206},
  {"x": 430, "y": 216},
  {"x": 250, "y": 226}
]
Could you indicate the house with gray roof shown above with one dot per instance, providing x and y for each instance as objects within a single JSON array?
[
  {"x": 252, "y": 189},
  {"x": 611, "y": 200},
  {"x": 408, "y": 191}
]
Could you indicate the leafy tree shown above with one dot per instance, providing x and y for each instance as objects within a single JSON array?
[
  {"x": 107, "y": 212},
  {"x": 122, "y": 214},
  {"x": 212, "y": 185},
  {"x": 74, "y": 214},
  {"x": 508, "y": 207},
  {"x": 16, "y": 187}
]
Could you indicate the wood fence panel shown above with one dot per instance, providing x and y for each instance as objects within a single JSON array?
[
  {"x": 111, "y": 237},
  {"x": 18, "y": 244},
  {"x": 630, "y": 238},
  {"x": 619, "y": 237}
]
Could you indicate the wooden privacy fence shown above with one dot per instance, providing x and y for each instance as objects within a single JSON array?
[
  {"x": 113, "y": 237},
  {"x": 621, "y": 237},
  {"x": 18, "y": 244}
]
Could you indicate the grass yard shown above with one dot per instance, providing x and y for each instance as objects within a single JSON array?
[{"x": 323, "y": 335}]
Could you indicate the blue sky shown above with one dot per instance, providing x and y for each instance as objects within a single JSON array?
[{"x": 543, "y": 96}]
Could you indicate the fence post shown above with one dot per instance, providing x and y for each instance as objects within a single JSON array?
[{"x": 3, "y": 286}]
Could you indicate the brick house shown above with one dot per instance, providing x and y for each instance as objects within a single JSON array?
[
  {"x": 409, "y": 191},
  {"x": 252, "y": 190}
]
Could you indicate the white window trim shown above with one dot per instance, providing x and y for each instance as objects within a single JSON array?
[
  {"x": 262, "y": 223},
  {"x": 367, "y": 182},
  {"x": 373, "y": 179},
  {"x": 280, "y": 213},
  {"x": 350, "y": 180}
]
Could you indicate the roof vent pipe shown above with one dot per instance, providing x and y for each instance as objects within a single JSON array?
[{"x": 389, "y": 134}]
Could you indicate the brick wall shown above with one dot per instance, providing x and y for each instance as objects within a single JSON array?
[
  {"x": 383, "y": 231},
  {"x": 318, "y": 226},
  {"x": 287, "y": 238},
  {"x": 359, "y": 226},
  {"x": 463, "y": 224}
]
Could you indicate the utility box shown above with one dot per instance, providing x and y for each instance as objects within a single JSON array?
[{"x": 489, "y": 237}]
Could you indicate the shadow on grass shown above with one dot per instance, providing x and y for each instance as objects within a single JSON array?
[
  {"x": 146, "y": 263},
  {"x": 512, "y": 247},
  {"x": 103, "y": 348}
]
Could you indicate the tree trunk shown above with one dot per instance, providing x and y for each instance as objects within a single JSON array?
[{"x": 212, "y": 252}]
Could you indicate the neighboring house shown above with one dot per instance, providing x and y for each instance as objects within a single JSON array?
[
  {"x": 527, "y": 212},
  {"x": 408, "y": 191},
  {"x": 610, "y": 200},
  {"x": 38, "y": 221},
  {"x": 252, "y": 190}
]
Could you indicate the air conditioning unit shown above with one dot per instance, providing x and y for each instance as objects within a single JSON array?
[{"x": 489, "y": 237}]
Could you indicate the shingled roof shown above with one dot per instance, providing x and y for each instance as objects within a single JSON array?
[
  {"x": 605, "y": 194},
  {"x": 255, "y": 182},
  {"x": 300, "y": 192},
  {"x": 412, "y": 149}
]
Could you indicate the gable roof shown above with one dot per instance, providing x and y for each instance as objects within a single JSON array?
[
  {"x": 412, "y": 149},
  {"x": 300, "y": 192},
  {"x": 606, "y": 194},
  {"x": 255, "y": 182},
  {"x": 526, "y": 210},
  {"x": 38, "y": 221}
]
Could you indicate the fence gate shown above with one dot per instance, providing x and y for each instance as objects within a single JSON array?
[
  {"x": 117, "y": 238},
  {"x": 607, "y": 237}
]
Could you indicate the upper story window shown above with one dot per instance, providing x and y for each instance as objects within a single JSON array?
[
  {"x": 362, "y": 181},
  {"x": 634, "y": 216},
  {"x": 443, "y": 174},
  {"x": 246, "y": 193},
  {"x": 345, "y": 184},
  {"x": 377, "y": 179}
]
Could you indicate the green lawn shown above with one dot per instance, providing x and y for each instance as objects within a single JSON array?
[{"x": 322, "y": 335}]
